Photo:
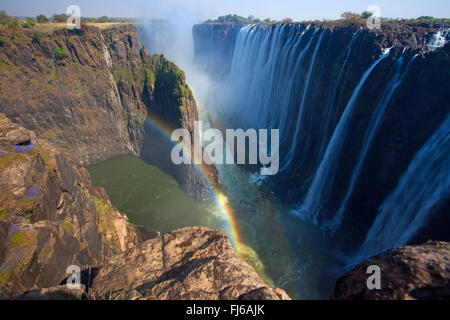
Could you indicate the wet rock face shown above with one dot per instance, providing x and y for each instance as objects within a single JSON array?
[
  {"x": 408, "y": 273},
  {"x": 358, "y": 180},
  {"x": 191, "y": 263},
  {"x": 51, "y": 216},
  {"x": 101, "y": 99},
  {"x": 214, "y": 47}
]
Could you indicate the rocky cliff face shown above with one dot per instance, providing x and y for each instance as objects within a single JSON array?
[
  {"x": 97, "y": 93},
  {"x": 357, "y": 110},
  {"x": 51, "y": 217},
  {"x": 408, "y": 273}
]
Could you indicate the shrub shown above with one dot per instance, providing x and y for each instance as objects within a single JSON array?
[
  {"x": 4, "y": 18},
  {"x": 13, "y": 23},
  {"x": 350, "y": 16},
  {"x": 59, "y": 53},
  {"x": 36, "y": 38},
  {"x": 29, "y": 23},
  {"x": 60, "y": 18},
  {"x": 234, "y": 19},
  {"x": 103, "y": 19},
  {"x": 2, "y": 42},
  {"x": 366, "y": 14},
  {"x": 41, "y": 18}
]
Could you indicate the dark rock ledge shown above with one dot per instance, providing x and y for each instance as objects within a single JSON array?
[{"x": 419, "y": 272}]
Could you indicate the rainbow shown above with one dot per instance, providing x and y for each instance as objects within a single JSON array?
[
  {"x": 222, "y": 202},
  {"x": 219, "y": 197}
]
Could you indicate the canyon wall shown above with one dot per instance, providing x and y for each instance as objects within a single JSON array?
[
  {"x": 52, "y": 217},
  {"x": 363, "y": 119},
  {"x": 99, "y": 94}
]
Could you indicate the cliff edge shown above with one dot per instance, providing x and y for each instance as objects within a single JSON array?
[
  {"x": 419, "y": 272},
  {"x": 99, "y": 94}
]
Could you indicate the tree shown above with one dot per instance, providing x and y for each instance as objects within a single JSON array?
[
  {"x": 350, "y": 15},
  {"x": 4, "y": 18},
  {"x": 13, "y": 23},
  {"x": 366, "y": 14},
  {"x": 36, "y": 38},
  {"x": 29, "y": 23},
  {"x": 287, "y": 20},
  {"x": 41, "y": 18},
  {"x": 59, "y": 17},
  {"x": 103, "y": 19}
]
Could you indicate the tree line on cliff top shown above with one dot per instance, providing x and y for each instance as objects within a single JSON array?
[
  {"x": 345, "y": 17},
  {"x": 5, "y": 19}
]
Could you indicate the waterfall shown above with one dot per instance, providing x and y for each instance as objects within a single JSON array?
[
  {"x": 332, "y": 98},
  {"x": 424, "y": 184},
  {"x": 315, "y": 85},
  {"x": 439, "y": 39},
  {"x": 375, "y": 122},
  {"x": 290, "y": 155},
  {"x": 265, "y": 72},
  {"x": 320, "y": 186}
]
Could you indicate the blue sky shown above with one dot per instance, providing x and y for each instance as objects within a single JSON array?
[{"x": 203, "y": 9}]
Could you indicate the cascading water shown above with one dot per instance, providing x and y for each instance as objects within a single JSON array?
[
  {"x": 425, "y": 183},
  {"x": 282, "y": 77},
  {"x": 400, "y": 73},
  {"x": 258, "y": 81},
  {"x": 320, "y": 187}
]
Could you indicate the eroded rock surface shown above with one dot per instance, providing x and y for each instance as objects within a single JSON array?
[
  {"x": 413, "y": 272},
  {"x": 104, "y": 96},
  {"x": 191, "y": 263}
]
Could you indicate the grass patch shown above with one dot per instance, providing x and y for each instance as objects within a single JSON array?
[
  {"x": 59, "y": 53},
  {"x": 105, "y": 224}
]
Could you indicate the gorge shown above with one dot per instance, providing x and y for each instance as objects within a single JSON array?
[{"x": 363, "y": 119}]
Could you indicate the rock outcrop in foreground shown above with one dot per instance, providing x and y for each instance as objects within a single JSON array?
[
  {"x": 413, "y": 272},
  {"x": 51, "y": 217},
  {"x": 191, "y": 263}
]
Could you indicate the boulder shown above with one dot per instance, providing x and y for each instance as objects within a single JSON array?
[
  {"x": 419, "y": 272},
  {"x": 191, "y": 263}
]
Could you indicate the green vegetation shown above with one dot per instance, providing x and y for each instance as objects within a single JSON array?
[
  {"x": 105, "y": 19},
  {"x": 60, "y": 17},
  {"x": 4, "y": 18},
  {"x": 235, "y": 19},
  {"x": 2, "y": 42},
  {"x": 105, "y": 223},
  {"x": 37, "y": 37},
  {"x": 346, "y": 18},
  {"x": 59, "y": 53},
  {"x": 29, "y": 23},
  {"x": 13, "y": 23},
  {"x": 42, "y": 19},
  {"x": 5, "y": 213}
]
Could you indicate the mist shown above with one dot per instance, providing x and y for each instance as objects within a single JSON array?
[{"x": 173, "y": 38}]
